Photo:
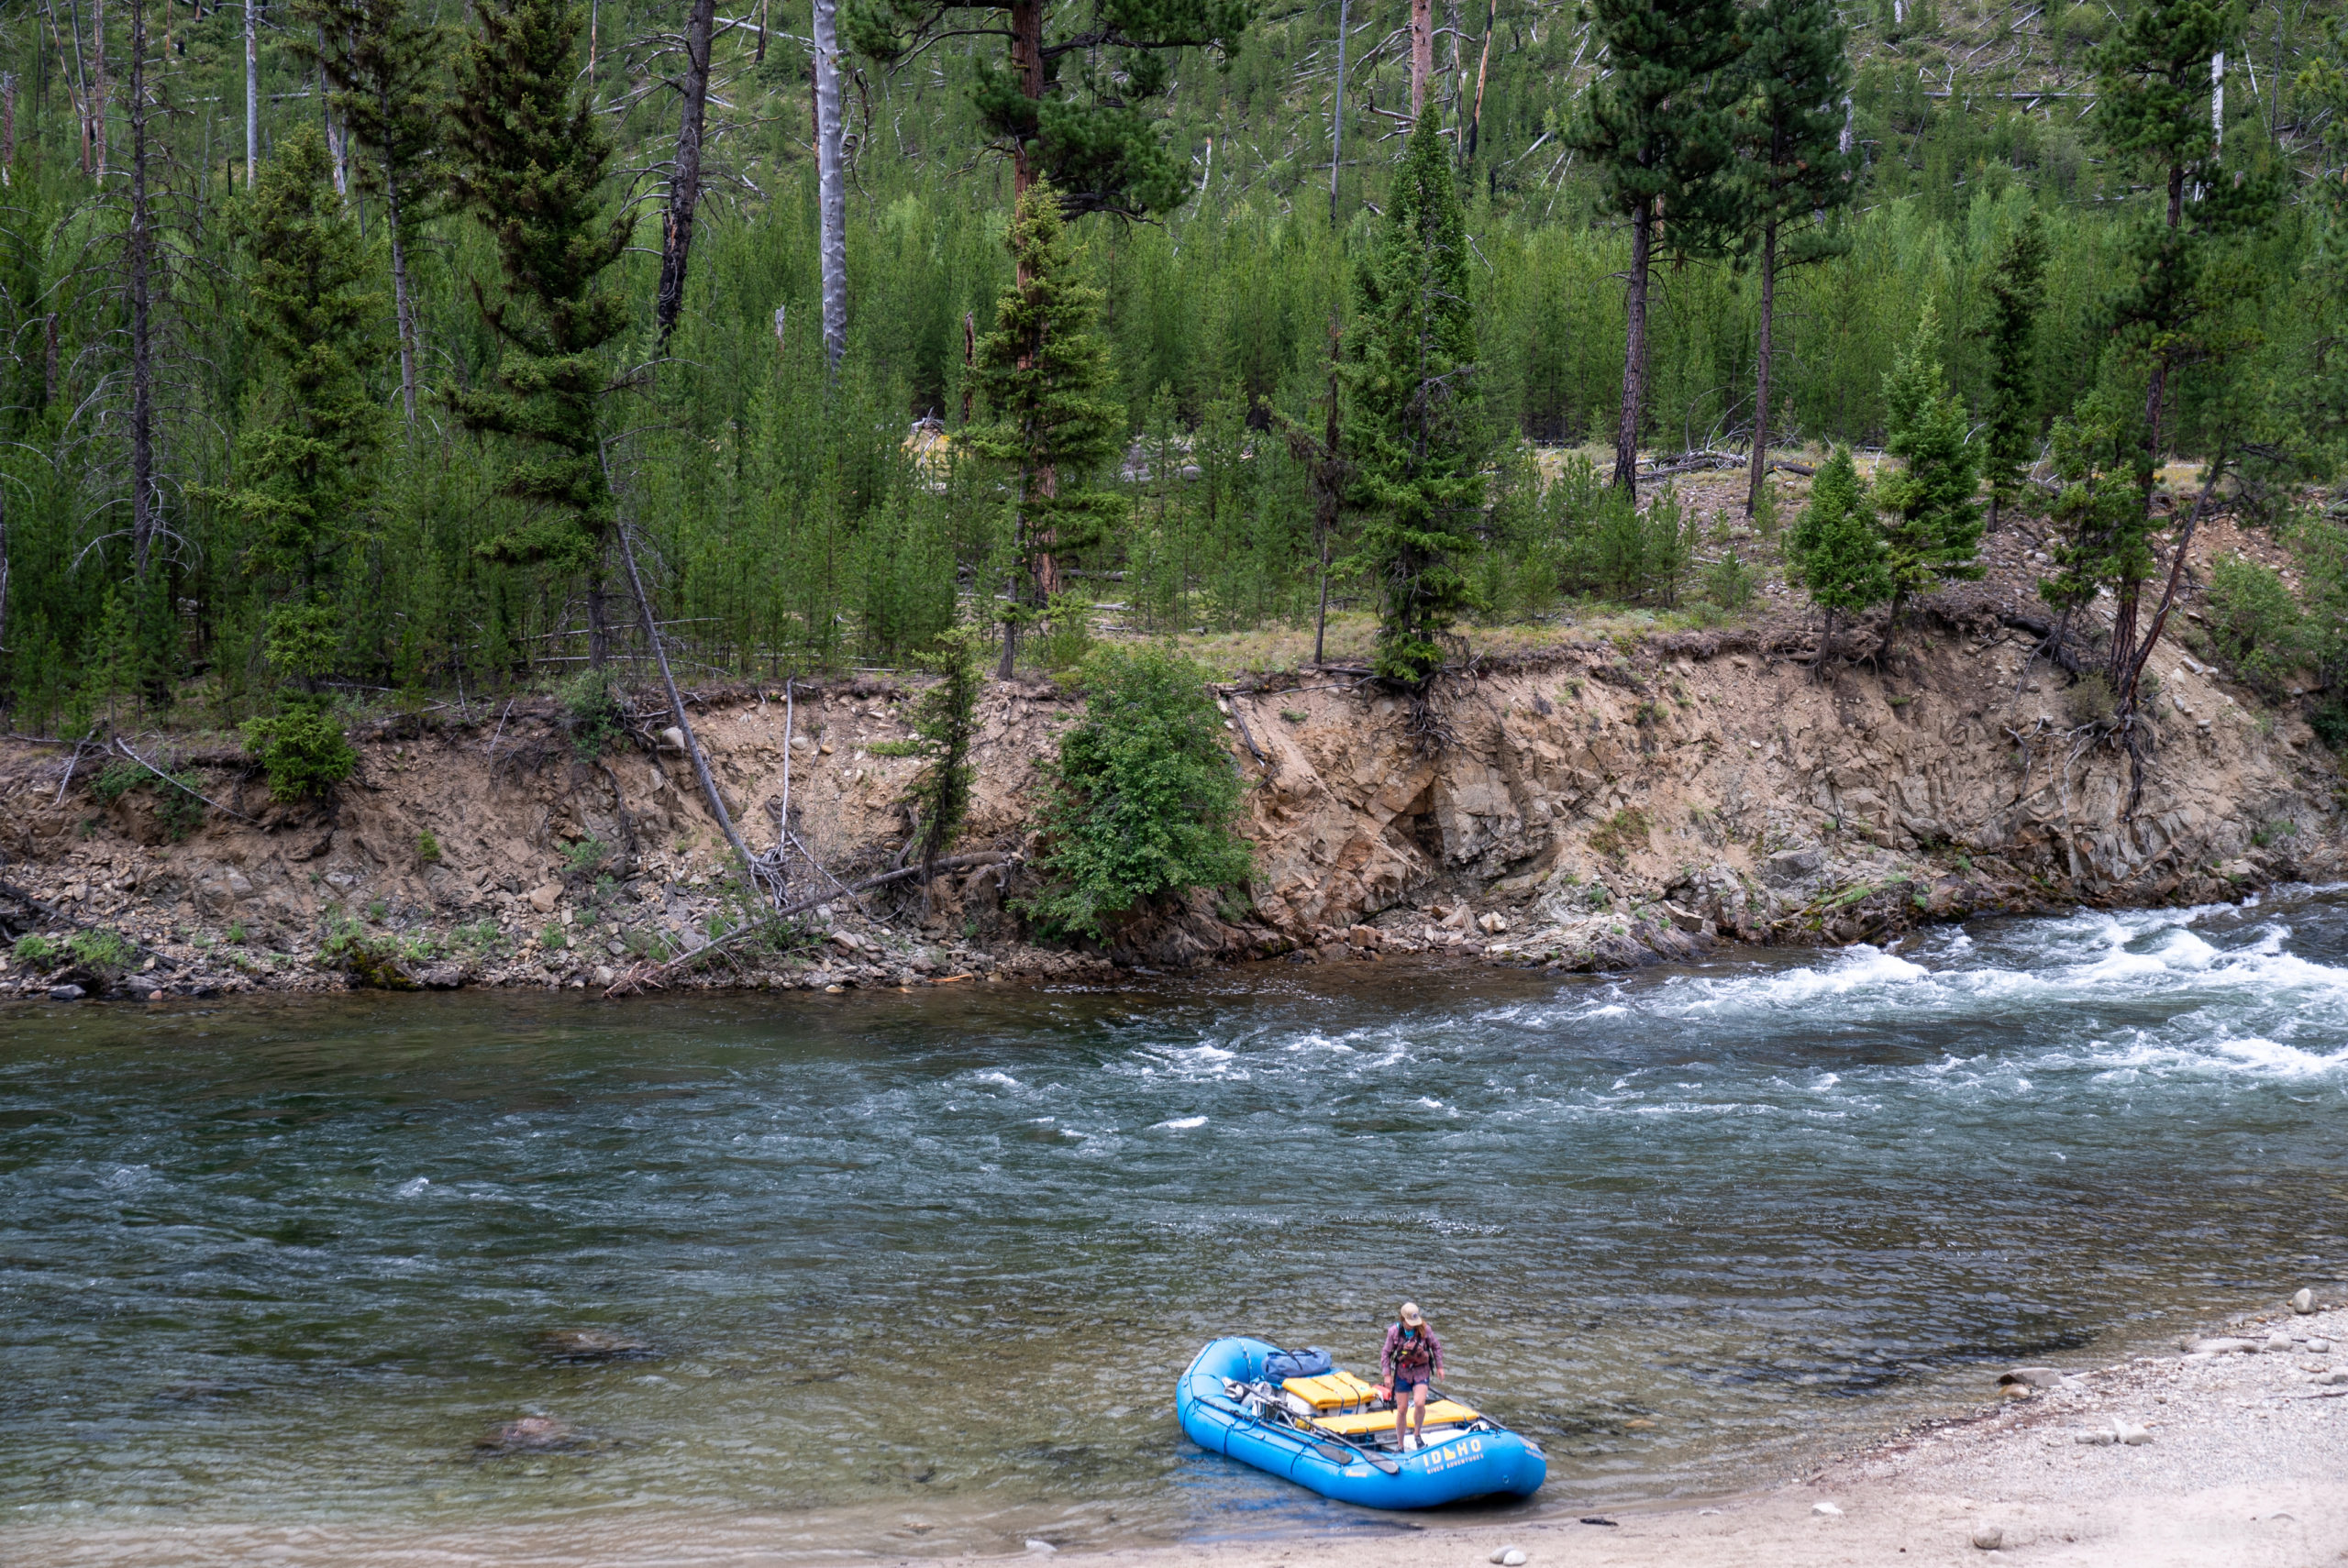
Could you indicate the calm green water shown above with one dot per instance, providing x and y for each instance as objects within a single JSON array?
[{"x": 917, "y": 1272}]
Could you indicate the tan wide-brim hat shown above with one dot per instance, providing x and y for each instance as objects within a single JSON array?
[{"x": 1411, "y": 1316}]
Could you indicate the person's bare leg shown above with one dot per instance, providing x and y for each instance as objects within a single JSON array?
[{"x": 1419, "y": 1408}]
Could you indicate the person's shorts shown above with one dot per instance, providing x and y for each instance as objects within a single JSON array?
[{"x": 1404, "y": 1382}]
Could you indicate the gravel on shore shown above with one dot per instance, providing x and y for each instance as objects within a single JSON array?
[{"x": 2241, "y": 1459}]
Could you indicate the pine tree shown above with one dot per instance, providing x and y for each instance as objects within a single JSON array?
[
  {"x": 1838, "y": 547},
  {"x": 1414, "y": 427},
  {"x": 1932, "y": 520},
  {"x": 1791, "y": 170},
  {"x": 386, "y": 64},
  {"x": 945, "y": 724},
  {"x": 2184, "y": 268},
  {"x": 1042, "y": 375},
  {"x": 305, "y": 471},
  {"x": 1659, "y": 131},
  {"x": 529, "y": 163},
  {"x": 2017, "y": 290},
  {"x": 2102, "y": 533},
  {"x": 1092, "y": 137}
]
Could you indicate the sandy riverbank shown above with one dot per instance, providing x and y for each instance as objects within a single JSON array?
[{"x": 2248, "y": 1465}]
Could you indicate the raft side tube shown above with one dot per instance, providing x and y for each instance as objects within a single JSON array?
[{"x": 1474, "y": 1464}]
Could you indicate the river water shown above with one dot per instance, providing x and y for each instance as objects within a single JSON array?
[{"x": 916, "y": 1272}]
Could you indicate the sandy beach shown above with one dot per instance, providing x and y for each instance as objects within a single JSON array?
[
  {"x": 2247, "y": 1463},
  {"x": 2242, "y": 1459}
]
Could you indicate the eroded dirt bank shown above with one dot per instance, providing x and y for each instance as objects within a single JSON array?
[{"x": 1600, "y": 805}]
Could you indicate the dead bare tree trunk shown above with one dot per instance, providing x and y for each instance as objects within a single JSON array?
[
  {"x": 253, "y": 91},
  {"x": 1422, "y": 53},
  {"x": 684, "y": 181},
  {"x": 1760, "y": 463},
  {"x": 139, "y": 245},
  {"x": 402, "y": 306},
  {"x": 99, "y": 86},
  {"x": 1634, "y": 354},
  {"x": 1027, "y": 64},
  {"x": 1337, "y": 117},
  {"x": 831, "y": 191},
  {"x": 8, "y": 126},
  {"x": 338, "y": 143}
]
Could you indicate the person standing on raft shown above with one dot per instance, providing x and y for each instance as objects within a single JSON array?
[{"x": 1411, "y": 1359}]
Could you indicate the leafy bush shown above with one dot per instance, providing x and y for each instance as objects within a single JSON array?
[
  {"x": 37, "y": 951},
  {"x": 588, "y": 855},
  {"x": 2090, "y": 700},
  {"x": 301, "y": 748},
  {"x": 1142, "y": 797},
  {"x": 591, "y": 713},
  {"x": 104, "y": 952},
  {"x": 427, "y": 847},
  {"x": 2254, "y": 624},
  {"x": 1065, "y": 645},
  {"x": 1729, "y": 583}
]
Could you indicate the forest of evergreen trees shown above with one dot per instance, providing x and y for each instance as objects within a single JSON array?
[{"x": 359, "y": 349}]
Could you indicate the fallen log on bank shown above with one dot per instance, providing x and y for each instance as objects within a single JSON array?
[{"x": 639, "y": 976}]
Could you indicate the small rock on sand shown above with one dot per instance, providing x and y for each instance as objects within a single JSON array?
[
  {"x": 2279, "y": 1342},
  {"x": 1829, "y": 1509},
  {"x": 2319, "y": 1347},
  {"x": 2033, "y": 1377},
  {"x": 1509, "y": 1557},
  {"x": 2095, "y": 1437},
  {"x": 1989, "y": 1538},
  {"x": 2131, "y": 1434},
  {"x": 2303, "y": 1303}
]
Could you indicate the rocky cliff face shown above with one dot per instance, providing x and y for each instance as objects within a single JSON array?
[
  {"x": 1598, "y": 806},
  {"x": 1609, "y": 798}
]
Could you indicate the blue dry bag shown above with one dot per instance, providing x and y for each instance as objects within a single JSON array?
[{"x": 1310, "y": 1361}]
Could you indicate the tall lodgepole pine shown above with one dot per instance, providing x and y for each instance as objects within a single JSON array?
[
  {"x": 684, "y": 174},
  {"x": 1072, "y": 104},
  {"x": 1414, "y": 429},
  {"x": 2185, "y": 263},
  {"x": 305, "y": 469},
  {"x": 253, "y": 90},
  {"x": 1791, "y": 172},
  {"x": 530, "y": 161},
  {"x": 139, "y": 245},
  {"x": 2152, "y": 87},
  {"x": 389, "y": 85},
  {"x": 1422, "y": 53},
  {"x": 1043, "y": 375},
  {"x": 1659, "y": 130},
  {"x": 2017, "y": 291},
  {"x": 831, "y": 189}
]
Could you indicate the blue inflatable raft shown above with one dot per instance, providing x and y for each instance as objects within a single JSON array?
[{"x": 1332, "y": 1433}]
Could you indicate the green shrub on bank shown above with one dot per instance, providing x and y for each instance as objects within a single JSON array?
[
  {"x": 2254, "y": 624},
  {"x": 591, "y": 713},
  {"x": 1141, "y": 799},
  {"x": 301, "y": 747}
]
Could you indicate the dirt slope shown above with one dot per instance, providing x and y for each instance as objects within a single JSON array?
[{"x": 1599, "y": 806}]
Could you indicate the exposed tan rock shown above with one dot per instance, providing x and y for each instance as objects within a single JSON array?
[{"x": 1596, "y": 808}]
